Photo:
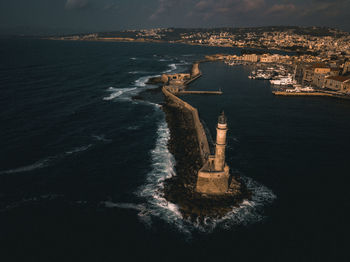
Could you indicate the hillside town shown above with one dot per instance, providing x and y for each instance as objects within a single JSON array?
[{"x": 325, "y": 42}]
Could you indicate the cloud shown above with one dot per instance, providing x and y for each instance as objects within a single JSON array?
[
  {"x": 206, "y": 8},
  {"x": 224, "y": 6},
  {"x": 281, "y": 9},
  {"x": 111, "y": 6},
  {"x": 76, "y": 4},
  {"x": 251, "y": 12},
  {"x": 326, "y": 8},
  {"x": 213, "y": 8},
  {"x": 249, "y": 5},
  {"x": 163, "y": 6}
]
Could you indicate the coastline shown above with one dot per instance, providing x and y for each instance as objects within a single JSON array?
[
  {"x": 258, "y": 48},
  {"x": 320, "y": 93}
]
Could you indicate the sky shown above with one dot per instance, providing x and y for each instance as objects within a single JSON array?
[{"x": 108, "y": 15}]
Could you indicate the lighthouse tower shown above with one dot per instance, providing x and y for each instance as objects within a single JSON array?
[
  {"x": 221, "y": 130},
  {"x": 213, "y": 177}
]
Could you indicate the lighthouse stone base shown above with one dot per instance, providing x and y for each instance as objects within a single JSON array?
[{"x": 212, "y": 182}]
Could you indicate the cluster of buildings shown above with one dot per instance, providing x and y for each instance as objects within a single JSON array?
[
  {"x": 254, "y": 58},
  {"x": 155, "y": 33},
  {"x": 312, "y": 71},
  {"x": 326, "y": 65},
  {"x": 324, "y": 76},
  {"x": 326, "y": 42},
  {"x": 326, "y": 45}
]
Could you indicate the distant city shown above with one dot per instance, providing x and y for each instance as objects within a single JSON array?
[
  {"x": 320, "y": 56},
  {"x": 325, "y": 42}
]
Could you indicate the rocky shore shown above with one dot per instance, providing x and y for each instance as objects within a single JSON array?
[{"x": 180, "y": 189}]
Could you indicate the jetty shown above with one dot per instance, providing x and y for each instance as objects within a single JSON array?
[
  {"x": 316, "y": 93},
  {"x": 200, "y": 92},
  {"x": 170, "y": 93},
  {"x": 203, "y": 186}
]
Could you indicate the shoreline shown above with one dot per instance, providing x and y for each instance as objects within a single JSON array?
[
  {"x": 315, "y": 94},
  {"x": 170, "y": 42}
]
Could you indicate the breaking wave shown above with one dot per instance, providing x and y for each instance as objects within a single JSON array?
[
  {"x": 141, "y": 82},
  {"x": 163, "y": 167},
  {"x": 172, "y": 68},
  {"x": 37, "y": 165},
  {"x": 78, "y": 149},
  {"x": 45, "y": 162},
  {"x": 117, "y": 92},
  {"x": 101, "y": 138},
  {"x": 180, "y": 66},
  {"x": 248, "y": 212},
  {"x": 138, "y": 72},
  {"x": 139, "y": 85}
]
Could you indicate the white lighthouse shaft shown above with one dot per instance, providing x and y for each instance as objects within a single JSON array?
[{"x": 221, "y": 130}]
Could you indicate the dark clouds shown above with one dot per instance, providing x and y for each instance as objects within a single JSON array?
[
  {"x": 197, "y": 13},
  {"x": 76, "y": 4},
  {"x": 99, "y": 15}
]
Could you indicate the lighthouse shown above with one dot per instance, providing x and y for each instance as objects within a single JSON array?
[
  {"x": 221, "y": 130},
  {"x": 213, "y": 177}
]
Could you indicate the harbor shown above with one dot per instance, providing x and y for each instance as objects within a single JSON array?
[{"x": 288, "y": 78}]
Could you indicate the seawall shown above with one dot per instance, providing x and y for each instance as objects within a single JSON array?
[
  {"x": 200, "y": 132},
  {"x": 328, "y": 94},
  {"x": 200, "y": 92},
  {"x": 189, "y": 144}
]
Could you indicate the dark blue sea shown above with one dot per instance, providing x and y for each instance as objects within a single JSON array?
[{"x": 82, "y": 164}]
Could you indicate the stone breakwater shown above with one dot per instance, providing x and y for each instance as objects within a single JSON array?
[
  {"x": 180, "y": 189},
  {"x": 320, "y": 93},
  {"x": 203, "y": 144},
  {"x": 189, "y": 144}
]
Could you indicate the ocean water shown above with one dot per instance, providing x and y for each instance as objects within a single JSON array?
[{"x": 82, "y": 164}]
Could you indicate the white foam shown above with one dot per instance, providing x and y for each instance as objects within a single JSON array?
[
  {"x": 143, "y": 213},
  {"x": 163, "y": 167},
  {"x": 101, "y": 138},
  {"x": 172, "y": 66},
  {"x": 138, "y": 72},
  {"x": 78, "y": 149},
  {"x": 133, "y": 127},
  {"x": 110, "y": 204},
  {"x": 117, "y": 92},
  {"x": 248, "y": 212},
  {"x": 37, "y": 165},
  {"x": 141, "y": 82},
  {"x": 45, "y": 162}
]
